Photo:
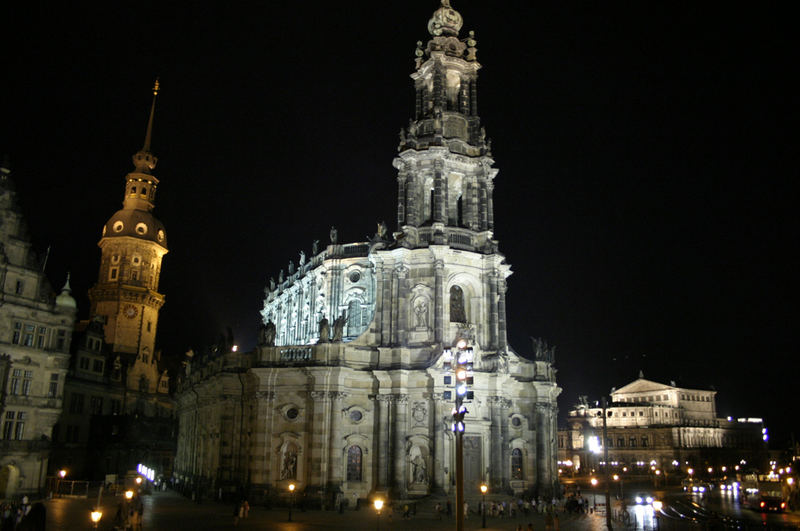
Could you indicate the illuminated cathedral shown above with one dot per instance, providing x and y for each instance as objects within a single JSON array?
[{"x": 348, "y": 392}]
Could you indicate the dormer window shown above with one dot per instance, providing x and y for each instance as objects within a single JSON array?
[{"x": 133, "y": 189}]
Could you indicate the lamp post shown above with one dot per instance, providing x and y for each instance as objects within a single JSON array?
[
  {"x": 96, "y": 515},
  {"x": 291, "y": 499},
  {"x": 484, "y": 488},
  {"x": 657, "y": 505},
  {"x": 378, "y": 504},
  {"x": 61, "y": 475}
]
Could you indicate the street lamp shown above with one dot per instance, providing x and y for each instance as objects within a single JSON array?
[
  {"x": 656, "y": 509},
  {"x": 61, "y": 474},
  {"x": 378, "y": 504},
  {"x": 96, "y": 516},
  {"x": 291, "y": 499},
  {"x": 129, "y": 494},
  {"x": 484, "y": 488}
]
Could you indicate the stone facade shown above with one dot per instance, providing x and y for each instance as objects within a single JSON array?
[
  {"x": 35, "y": 332},
  {"x": 653, "y": 424},
  {"x": 348, "y": 392},
  {"x": 117, "y": 408}
]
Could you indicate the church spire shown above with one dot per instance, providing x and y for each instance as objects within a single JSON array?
[
  {"x": 144, "y": 160},
  {"x": 149, "y": 134}
]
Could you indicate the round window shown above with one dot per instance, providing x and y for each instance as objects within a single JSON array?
[
  {"x": 355, "y": 276},
  {"x": 356, "y": 415},
  {"x": 292, "y": 413},
  {"x": 161, "y": 235},
  {"x": 516, "y": 422},
  {"x": 141, "y": 228},
  {"x": 118, "y": 226}
]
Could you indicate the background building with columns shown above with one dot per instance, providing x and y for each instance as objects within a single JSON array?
[{"x": 350, "y": 389}]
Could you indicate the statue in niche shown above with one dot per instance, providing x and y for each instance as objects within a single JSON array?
[
  {"x": 402, "y": 135},
  {"x": 334, "y": 235},
  {"x": 542, "y": 350},
  {"x": 338, "y": 327},
  {"x": 412, "y": 128},
  {"x": 289, "y": 465},
  {"x": 302, "y": 259},
  {"x": 457, "y": 312},
  {"x": 291, "y": 268},
  {"x": 421, "y": 311},
  {"x": 280, "y": 277},
  {"x": 419, "y": 470},
  {"x": 271, "y": 284},
  {"x": 314, "y": 247},
  {"x": 324, "y": 330}
]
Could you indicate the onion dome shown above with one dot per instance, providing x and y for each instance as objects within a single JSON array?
[
  {"x": 137, "y": 224},
  {"x": 65, "y": 298}
]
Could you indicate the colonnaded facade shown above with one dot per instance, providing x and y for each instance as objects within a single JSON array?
[{"x": 349, "y": 391}]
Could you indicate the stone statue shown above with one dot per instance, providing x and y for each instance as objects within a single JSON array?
[
  {"x": 269, "y": 334},
  {"x": 419, "y": 470},
  {"x": 302, "y": 260},
  {"x": 289, "y": 467},
  {"x": 412, "y": 128},
  {"x": 271, "y": 284},
  {"x": 542, "y": 351},
  {"x": 483, "y": 135},
  {"x": 324, "y": 330},
  {"x": 291, "y": 267},
  {"x": 338, "y": 327},
  {"x": 421, "y": 311},
  {"x": 280, "y": 277},
  {"x": 382, "y": 230},
  {"x": 334, "y": 235},
  {"x": 314, "y": 247}
]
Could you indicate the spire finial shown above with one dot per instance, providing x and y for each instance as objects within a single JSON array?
[{"x": 149, "y": 134}]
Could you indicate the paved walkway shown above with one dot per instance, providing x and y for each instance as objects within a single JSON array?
[{"x": 170, "y": 511}]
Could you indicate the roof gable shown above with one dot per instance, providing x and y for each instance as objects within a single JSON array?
[{"x": 642, "y": 386}]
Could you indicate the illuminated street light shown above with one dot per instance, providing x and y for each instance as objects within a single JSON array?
[
  {"x": 690, "y": 471},
  {"x": 96, "y": 515},
  {"x": 484, "y": 488},
  {"x": 62, "y": 473},
  {"x": 594, "y": 482},
  {"x": 139, "y": 480},
  {"x": 291, "y": 499},
  {"x": 128, "y": 494},
  {"x": 378, "y": 504},
  {"x": 790, "y": 481}
]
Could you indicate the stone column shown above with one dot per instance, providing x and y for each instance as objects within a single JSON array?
[
  {"x": 490, "y": 204},
  {"x": 402, "y": 310},
  {"x": 438, "y": 193},
  {"x": 438, "y": 306},
  {"x": 473, "y": 97},
  {"x": 395, "y": 305},
  {"x": 492, "y": 310},
  {"x": 501, "y": 313},
  {"x": 386, "y": 305},
  {"x": 401, "y": 198},
  {"x": 483, "y": 209},
  {"x": 399, "y": 457},
  {"x": 318, "y": 425},
  {"x": 383, "y": 406},
  {"x": 335, "y": 466},
  {"x": 544, "y": 452}
]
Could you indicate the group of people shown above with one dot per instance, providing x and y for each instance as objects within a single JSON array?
[
  {"x": 22, "y": 515},
  {"x": 129, "y": 515},
  {"x": 520, "y": 506},
  {"x": 240, "y": 512}
]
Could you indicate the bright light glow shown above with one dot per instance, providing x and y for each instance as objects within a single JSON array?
[
  {"x": 790, "y": 481},
  {"x": 378, "y": 503},
  {"x": 638, "y": 499},
  {"x": 461, "y": 374},
  {"x": 616, "y": 477},
  {"x": 690, "y": 471},
  {"x": 291, "y": 487},
  {"x": 624, "y": 469},
  {"x": 724, "y": 468},
  {"x": 139, "y": 480},
  {"x": 129, "y": 494},
  {"x": 788, "y": 470},
  {"x": 710, "y": 470},
  {"x": 675, "y": 463},
  {"x": 657, "y": 505},
  {"x": 484, "y": 488},
  {"x": 658, "y": 472},
  {"x": 461, "y": 344},
  {"x": 234, "y": 348},
  {"x": 594, "y": 482},
  {"x": 62, "y": 473},
  {"x": 594, "y": 445},
  {"x": 701, "y": 489},
  {"x": 96, "y": 516},
  {"x": 461, "y": 389}
]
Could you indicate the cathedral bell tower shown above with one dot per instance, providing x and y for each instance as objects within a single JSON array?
[
  {"x": 132, "y": 247},
  {"x": 445, "y": 175}
]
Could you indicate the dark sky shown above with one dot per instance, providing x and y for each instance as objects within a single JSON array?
[{"x": 643, "y": 198}]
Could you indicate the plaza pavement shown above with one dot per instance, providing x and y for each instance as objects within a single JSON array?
[{"x": 170, "y": 511}]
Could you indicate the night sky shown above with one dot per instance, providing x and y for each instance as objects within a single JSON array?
[{"x": 643, "y": 198}]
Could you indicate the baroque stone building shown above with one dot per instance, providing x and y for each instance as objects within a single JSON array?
[
  {"x": 650, "y": 424},
  {"x": 35, "y": 332},
  {"x": 117, "y": 408},
  {"x": 348, "y": 392}
]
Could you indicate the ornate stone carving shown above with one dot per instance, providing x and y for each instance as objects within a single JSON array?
[{"x": 419, "y": 412}]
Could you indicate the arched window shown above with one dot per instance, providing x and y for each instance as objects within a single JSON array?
[
  {"x": 457, "y": 312},
  {"x": 354, "y": 463},
  {"x": 516, "y": 463},
  {"x": 354, "y": 318}
]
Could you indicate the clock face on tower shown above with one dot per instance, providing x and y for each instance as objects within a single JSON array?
[{"x": 130, "y": 311}]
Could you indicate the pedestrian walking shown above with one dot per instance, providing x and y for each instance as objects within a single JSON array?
[
  {"x": 466, "y": 510},
  {"x": 449, "y": 508}
]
